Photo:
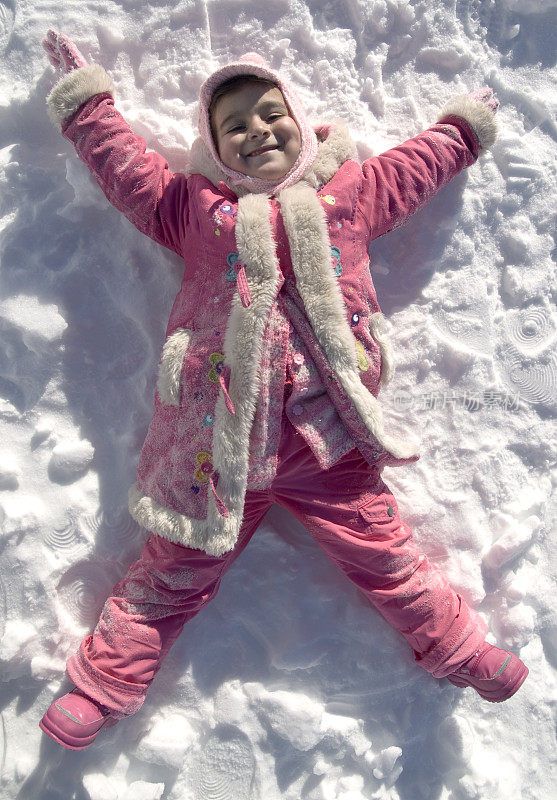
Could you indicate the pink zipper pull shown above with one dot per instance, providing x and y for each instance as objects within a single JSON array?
[
  {"x": 242, "y": 282},
  {"x": 220, "y": 505},
  {"x": 224, "y": 380}
]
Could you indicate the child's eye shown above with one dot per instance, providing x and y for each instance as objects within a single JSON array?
[{"x": 273, "y": 116}]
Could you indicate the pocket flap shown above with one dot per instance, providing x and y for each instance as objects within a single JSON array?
[{"x": 381, "y": 509}]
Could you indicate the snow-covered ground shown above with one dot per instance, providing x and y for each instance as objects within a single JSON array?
[{"x": 288, "y": 685}]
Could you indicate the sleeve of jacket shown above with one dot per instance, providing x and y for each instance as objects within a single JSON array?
[
  {"x": 138, "y": 183},
  {"x": 399, "y": 182}
]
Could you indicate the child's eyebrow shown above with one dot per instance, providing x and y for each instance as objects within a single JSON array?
[{"x": 262, "y": 107}]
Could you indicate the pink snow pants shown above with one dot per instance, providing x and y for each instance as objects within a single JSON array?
[{"x": 352, "y": 516}]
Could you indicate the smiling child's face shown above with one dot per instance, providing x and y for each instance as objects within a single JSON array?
[{"x": 254, "y": 132}]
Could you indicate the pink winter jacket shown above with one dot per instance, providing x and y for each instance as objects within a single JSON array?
[{"x": 310, "y": 244}]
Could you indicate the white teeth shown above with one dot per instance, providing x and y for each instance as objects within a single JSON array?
[{"x": 260, "y": 152}]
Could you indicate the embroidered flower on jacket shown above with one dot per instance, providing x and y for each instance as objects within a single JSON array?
[
  {"x": 218, "y": 222},
  {"x": 205, "y": 461},
  {"x": 335, "y": 260},
  {"x": 227, "y": 209},
  {"x": 231, "y": 259},
  {"x": 328, "y": 198},
  {"x": 216, "y": 359},
  {"x": 198, "y": 396},
  {"x": 208, "y": 420},
  {"x": 363, "y": 362}
]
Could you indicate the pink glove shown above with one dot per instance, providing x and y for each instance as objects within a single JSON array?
[
  {"x": 486, "y": 97},
  {"x": 62, "y": 52}
]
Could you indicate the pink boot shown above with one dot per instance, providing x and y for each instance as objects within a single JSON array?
[
  {"x": 74, "y": 720},
  {"x": 494, "y": 673}
]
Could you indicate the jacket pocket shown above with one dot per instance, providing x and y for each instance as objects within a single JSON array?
[
  {"x": 171, "y": 364},
  {"x": 377, "y": 330}
]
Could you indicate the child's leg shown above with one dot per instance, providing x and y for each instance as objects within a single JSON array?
[
  {"x": 149, "y": 606},
  {"x": 353, "y": 517}
]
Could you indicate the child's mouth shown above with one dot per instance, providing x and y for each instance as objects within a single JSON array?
[{"x": 262, "y": 150}]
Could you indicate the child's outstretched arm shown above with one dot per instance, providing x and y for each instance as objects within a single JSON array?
[
  {"x": 399, "y": 182},
  {"x": 139, "y": 184}
]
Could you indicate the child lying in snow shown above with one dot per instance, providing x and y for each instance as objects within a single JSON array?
[{"x": 268, "y": 380}]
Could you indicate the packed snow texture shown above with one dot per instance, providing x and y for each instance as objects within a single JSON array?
[{"x": 288, "y": 685}]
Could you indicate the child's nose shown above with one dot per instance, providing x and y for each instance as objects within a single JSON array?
[{"x": 258, "y": 128}]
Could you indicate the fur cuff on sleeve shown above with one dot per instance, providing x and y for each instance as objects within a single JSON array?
[
  {"x": 476, "y": 114},
  {"x": 74, "y": 89}
]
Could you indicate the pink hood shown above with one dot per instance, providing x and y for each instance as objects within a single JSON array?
[{"x": 254, "y": 64}]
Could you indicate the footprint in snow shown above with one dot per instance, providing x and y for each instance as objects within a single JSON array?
[{"x": 224, "y": 767}]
